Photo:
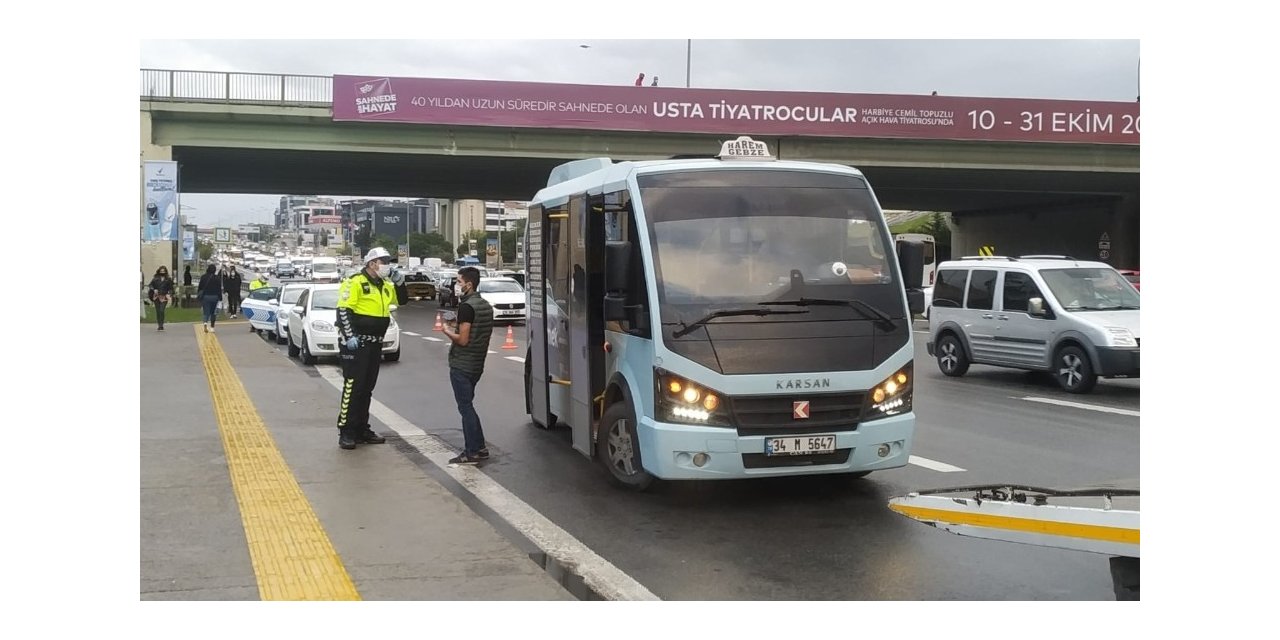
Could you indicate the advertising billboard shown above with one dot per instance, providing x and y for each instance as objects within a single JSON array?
[
  {"x": 160, "y": 200},
  {"x": 734, "y": 112}
]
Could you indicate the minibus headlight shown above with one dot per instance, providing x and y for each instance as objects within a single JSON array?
[
  {"x": 891, "y": 397},
  {"x": 686, "y": 402}
]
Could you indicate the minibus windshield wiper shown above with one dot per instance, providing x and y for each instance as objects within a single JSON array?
[
  {"x": 867, "y": 310},
  {"x": 688, "y": 328}
]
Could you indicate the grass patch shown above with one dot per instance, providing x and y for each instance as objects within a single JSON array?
[{"x": 172, "y": 315}]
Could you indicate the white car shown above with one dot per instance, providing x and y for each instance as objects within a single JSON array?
[
  {"x": 288, "y": 297},
  {"x": 260, "y": 308},
  {"x": 313, "y": 331},
  {"x": 506, "y": 296}
]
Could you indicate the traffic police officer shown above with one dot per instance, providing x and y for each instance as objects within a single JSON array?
[
  {"x": 259, "y": 283},
  {"x": 364, "y": 313}
]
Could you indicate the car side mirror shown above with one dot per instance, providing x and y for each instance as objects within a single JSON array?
[
  {"x": 299, "y": 309},
  {"x": 1035, "y": 307},
  {"x": 394, "y": 307},
  {"x": 274, "y": 303}
]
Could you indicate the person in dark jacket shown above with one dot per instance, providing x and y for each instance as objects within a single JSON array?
[
  {"x": 186, "y": 276},
  {"x": 160, "y": 293},
  {"x": 231, "y": 282},
  {"x": 210, "y": 294}
]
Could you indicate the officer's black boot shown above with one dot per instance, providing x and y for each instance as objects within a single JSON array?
[
  {"x": 347, "y": 438},
  {"x": 368, "y": 436}
]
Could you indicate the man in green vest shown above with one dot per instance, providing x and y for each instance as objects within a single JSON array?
[{"x": 466, "y": 362}]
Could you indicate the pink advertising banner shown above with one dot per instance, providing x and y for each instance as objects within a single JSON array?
[{"x": 731, "y": 112}]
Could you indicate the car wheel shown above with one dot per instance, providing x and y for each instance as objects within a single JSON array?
[
  {"x": 271, "y": 335},
  {"x": 293, "y": 349},
  {"x": 951, "y": 358},
  {"x": 307, "y": 358},
  {"x": 619, "y": 449},
  {"x": 1073, "y": 371},
  {"x": 281, "y": 338},
  {"x": 394, "y": 356}
]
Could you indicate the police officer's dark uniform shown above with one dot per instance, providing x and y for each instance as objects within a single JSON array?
[{"x": 364, "y": 313}]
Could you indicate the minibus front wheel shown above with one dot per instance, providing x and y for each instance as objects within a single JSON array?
[{"x": 619, "y": 449}]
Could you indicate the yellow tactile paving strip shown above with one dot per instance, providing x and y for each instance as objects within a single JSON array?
[{"x": 292, "y": 556}]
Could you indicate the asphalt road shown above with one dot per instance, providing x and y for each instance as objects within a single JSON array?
[{"x": 808, "y": 538}]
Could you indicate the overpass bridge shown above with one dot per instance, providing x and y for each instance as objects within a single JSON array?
[{"x": 1022, "y": 176}]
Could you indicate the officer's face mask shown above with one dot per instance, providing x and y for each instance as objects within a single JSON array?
[{"x": 384, "y": 269}]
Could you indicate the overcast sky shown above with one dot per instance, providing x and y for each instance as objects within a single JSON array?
[{"x": 1052, "y": 69}]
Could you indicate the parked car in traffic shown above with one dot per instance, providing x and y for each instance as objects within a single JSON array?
[
  {"x": 313, "y": 331},
  {"x": 288, "y": 297},
  {"x": 260, "y": 308},
  {"x": 1077, "y": 320},
  {"x": 1132, "y": 276},
  {"x": 506, "y": 296}
]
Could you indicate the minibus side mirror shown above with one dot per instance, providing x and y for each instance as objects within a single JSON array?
[
  {"x": 911, "y": 266},
  {"x": 617, "y": 266}
]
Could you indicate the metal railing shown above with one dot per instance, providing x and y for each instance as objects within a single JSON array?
[{"x": 246, "y": 88}]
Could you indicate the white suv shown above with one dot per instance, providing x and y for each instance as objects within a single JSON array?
[{"x": 1075, "y": 319}]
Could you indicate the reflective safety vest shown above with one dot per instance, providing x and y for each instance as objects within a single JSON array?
[{"x": 256, "y": 284}]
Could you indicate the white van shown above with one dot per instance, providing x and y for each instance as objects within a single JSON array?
[
  {"x": 1078, "y": 320},
  {"x": 325, "y": 269}
]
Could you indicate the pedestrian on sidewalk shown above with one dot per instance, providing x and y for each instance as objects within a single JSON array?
[
  {"x": 209, "y": 293},
  {"x": 364, "y": 313},
  {"x": 160, "y": 293},
  {"x": 231, "y": 283},
  {"x": 466, "y": 362}
]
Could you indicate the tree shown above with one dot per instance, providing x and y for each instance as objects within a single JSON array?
[
  {"x": 204, "y": 250},
  {"x": 509, "y": 241},
  {"x": 479, "y": 235},
  {"x": 430, "y": 245}
]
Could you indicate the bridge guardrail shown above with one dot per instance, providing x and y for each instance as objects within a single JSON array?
[{"x": 246, "y": 88}]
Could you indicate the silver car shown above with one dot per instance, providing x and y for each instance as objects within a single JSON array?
[{"x": 1077, "y": 320}]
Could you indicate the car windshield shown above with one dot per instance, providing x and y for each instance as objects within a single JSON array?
[
  {"x": 324, "y": 267},
  {"x": 1091, "y": 289},
  {"x": 499, "y": 286},
  {"x": 325, "y": 299},
  {"x": 291, "y": 296}
]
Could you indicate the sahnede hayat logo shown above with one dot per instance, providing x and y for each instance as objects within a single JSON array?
[{"x": 375, "y": 97}]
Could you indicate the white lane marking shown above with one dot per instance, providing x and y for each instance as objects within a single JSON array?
[
  {"x": 933, "y": 464},
  {"x": 492, "y": 352},
  {"x": 516, "y": 359},
  {"x": 433, "y": 338},
  {"x": 410, "y": 333},
  {"x": 1081, "y": 405},
  {"x": 598, "y": 573}
]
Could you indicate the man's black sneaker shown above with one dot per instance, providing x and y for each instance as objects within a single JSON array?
[
  {"x": 483, "y": 454},
  {"x": 347, "y": 441},
  {"x": 463, "y": 458},
  {"x": 368, "y": 436}
]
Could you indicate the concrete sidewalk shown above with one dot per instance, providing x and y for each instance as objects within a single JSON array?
[{"x": 399, "y": 532}]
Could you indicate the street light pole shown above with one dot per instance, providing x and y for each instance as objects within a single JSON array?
[{"x": 688, "y": 60}]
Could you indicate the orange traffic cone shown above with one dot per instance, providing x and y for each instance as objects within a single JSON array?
[
  {"x": 439, "y": 326},
  {"x": 511, "y": 340}
]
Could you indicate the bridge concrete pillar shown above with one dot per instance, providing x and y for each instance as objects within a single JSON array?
[{"x": 153, "y": 254}]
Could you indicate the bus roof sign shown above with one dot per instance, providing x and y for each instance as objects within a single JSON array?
[{"x": 744, "y": 148}]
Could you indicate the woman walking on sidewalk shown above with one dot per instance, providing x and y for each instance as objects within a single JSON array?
[
  {"x": 161, "y": 294},
  {"x": 210, "y": 294}
]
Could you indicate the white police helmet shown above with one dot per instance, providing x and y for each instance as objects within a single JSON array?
[{"x": 376, "y": 253}]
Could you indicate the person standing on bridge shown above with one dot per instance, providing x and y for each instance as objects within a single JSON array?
[
  {"x": 209, "y": 293},
  {"x": 466, "y": 362},
  {"x": 364, "y": 313}
]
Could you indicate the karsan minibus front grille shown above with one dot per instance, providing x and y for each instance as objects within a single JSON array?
[{"x": 775, "y": 415}]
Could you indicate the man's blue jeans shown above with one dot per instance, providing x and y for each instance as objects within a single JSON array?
[{"x": 464, "y": 391}]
